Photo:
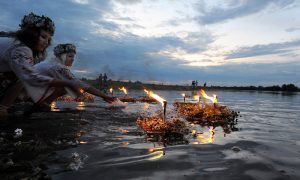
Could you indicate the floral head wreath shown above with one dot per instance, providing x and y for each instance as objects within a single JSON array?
[
  {"x": 64, "y": 48},
  {"x": 43, "y": 22}
]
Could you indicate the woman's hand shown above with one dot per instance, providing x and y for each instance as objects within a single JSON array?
[
  {"x": 76, "y": 88},
  {"x": 109, "y": 99}
]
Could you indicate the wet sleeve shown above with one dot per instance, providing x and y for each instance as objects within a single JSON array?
[{"x": 21, "y": 63}]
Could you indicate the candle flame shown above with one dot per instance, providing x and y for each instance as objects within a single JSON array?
[
  {"x": 111, "y": 90},
  {"x": 213, "y": 99},
  {"x": 83, "y": 142},
  {"x": 156, "y": 97},
  {"x": 196, "y": 97},
  {"x": 183, "y": 94},
  {"x": 123, "y": 89},
  {"x": 53, "y": 106},
  {"x": 81, "y": 91}
]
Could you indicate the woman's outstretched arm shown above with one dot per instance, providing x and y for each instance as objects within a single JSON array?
[{"x": 96, "y": 92}]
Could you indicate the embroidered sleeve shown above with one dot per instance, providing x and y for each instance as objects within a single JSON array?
[
  {"x": 21, "y": 64},
  {"x": 67, "y": 74}
]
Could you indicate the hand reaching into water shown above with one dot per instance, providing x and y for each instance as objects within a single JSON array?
[
  {"x": 117, "y": 103},
  {"x": 76, "y": 88},
  {"x": 109, "y": 99}
]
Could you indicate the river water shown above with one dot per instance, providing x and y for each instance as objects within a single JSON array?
[{"x": 264, "y": 144}]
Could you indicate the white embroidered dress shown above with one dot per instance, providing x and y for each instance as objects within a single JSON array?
[
  {"x": 18, "y": 58},
  {"x": 57, "y": 70}
]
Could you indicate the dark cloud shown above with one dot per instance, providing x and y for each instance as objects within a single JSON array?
[
  {"x": 235, "y": 9},
  {"x": 128, "y": 2},
  {"x": 104, "y": 47},
  {"x": 292, "y": 29},
  {"x": 268, "y": 49}
]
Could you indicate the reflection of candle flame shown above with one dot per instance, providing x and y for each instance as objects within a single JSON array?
[
  {"x": 159, "y": 152},
  {"x": 81, "y": 106},
  {"x": 53, "y": 106},
  {"x": 146, "y": 106},
  {"x": 123, "y": 130},
  {"x": 204, "y": 139}
]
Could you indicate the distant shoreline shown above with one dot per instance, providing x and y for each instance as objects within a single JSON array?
[{"x": 137, "y": 85}]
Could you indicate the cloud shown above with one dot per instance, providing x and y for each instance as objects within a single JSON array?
[
  {"x": 268, "y": 49},
  {"x": 292, "y": 29},
  {"x": 106, "y": 45},
  {"x": 235, "y": 9},
  {"x": 128, "y": 2}
]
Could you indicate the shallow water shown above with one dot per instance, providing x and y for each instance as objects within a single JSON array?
[{"x": 265, "y": 145}]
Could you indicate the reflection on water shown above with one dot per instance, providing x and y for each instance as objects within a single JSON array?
[
  {"x": 204, "y": 137},
  {"x": 146, "y": 106},
  {"x": 125, "y": 143},
  {"x": 157, "y": 153},
  {"x": 268, "y": 128},
  {"x": 54, "y": 107},
  {"x": 83, "y": 142},
  {"x": 80, "y": 106}
]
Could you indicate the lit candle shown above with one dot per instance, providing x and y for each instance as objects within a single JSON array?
[
  {"x": 183, "y": 94},
  {"x": 165, "y": 107}
]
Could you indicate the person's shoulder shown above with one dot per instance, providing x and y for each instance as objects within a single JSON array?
[{"x": 20, "y": 48}]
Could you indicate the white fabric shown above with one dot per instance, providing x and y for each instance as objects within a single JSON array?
[
  {"x": 55, "y": 69},
  {"x": 17, "y": 57}
]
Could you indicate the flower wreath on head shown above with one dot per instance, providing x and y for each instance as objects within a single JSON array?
[
  {"x": 64, "y": 48},
  {"x": 33, "y": 20}
]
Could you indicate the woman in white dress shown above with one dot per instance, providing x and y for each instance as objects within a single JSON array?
[
  {"x": 59, "y": 68},
  {"x": 23, "y": 49}
]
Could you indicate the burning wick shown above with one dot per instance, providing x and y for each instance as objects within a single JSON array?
[
  {"x": 81, "y": 91},
  {"x": 124, "y": 90},
  {"x": 183, "y": 97},
  {"x": 159, "y": 99},
  {"x": 215, "y": 101},
  {"x": 214, "y": 98},
  {"x": 111, "y": 90}
]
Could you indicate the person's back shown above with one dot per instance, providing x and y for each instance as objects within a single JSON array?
[{"x": 6, "y": 46}]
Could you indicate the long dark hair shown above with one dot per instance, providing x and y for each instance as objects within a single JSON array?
[{"x": 30, "y": 37}]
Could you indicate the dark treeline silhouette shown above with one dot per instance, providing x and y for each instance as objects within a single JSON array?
[
  {"x": 140, "y": 86},
  {"x": 284, "y": 87}
]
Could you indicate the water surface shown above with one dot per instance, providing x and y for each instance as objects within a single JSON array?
[{"x": 265, "y": 145}]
